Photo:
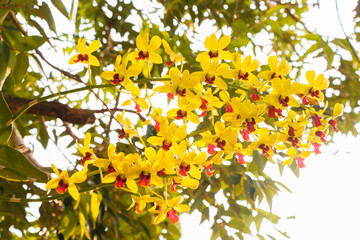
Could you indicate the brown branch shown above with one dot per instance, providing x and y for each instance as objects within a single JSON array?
[
  {"x": 52, "y": 109},
  {"x": 70, "y": 132},
  {"x": 62, "y": 111},
  {"x": 18, "y": 141}
]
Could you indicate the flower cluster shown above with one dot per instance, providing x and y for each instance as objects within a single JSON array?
[{"x": 230, "y": 94}]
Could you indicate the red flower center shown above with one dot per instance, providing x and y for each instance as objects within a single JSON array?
[
  {"x": 110, "y": 168},
  {"x": 123, "y": 134},
  {"x": 243, "y": 76},
  {"x": 213, "y": 54},
  {"x": 284, "y": 101},
  {"x": 116, "y": 80},
  {"x": 120, "y": 181},
  {"x": 240, "y": 158},
  {"x": 142, "y": 55},
  {"x": 144, "y": 179},
  {"x": 220, "y": 143},
  {"x": 82, "y": 58},
  {"x": 209, "y": 80},
  {"x": 184, "y": 169},
  {"x": 62, "y": 186},
  {"x": 166, "y": 145},
  {"x": 180, "y": 114},
  {"x": 179, "y": 92},
  {"x": 250, "y": 125},
  {"x": 161, "y": 173},
  {"x": 86, "y": 158},
  {"x": 211, "y": 149},
  {"x": 265, "y": 149}
]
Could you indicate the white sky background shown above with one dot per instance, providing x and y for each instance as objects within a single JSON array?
[{"x": 326, "y": 196}]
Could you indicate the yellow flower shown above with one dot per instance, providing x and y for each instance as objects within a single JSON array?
[
  {"x": 299, "y": 157},
  {"x": 140, "y": 202},
  {"x": 211, "y": 73},
  {"x": 276, "y": 71},
  {"x": 63, "y": 182},
  {"x": 174, "y": 57},
  {"x": 169, "y": 209},
  {"x": 224, "y": 138},
  {"x": 245, "y": 114},
  {"x": 85, "y": 53},
  {"x": 313, "y": 89},
  {"x": 168, "y": 135},
  {"x": 147, "y": 51},
  {"x": 180, "y": 85},
  {"x": 243, "y": 68},
  {"x": 266, "y": 142},
  {"x": 152, "y": 167},
  {"x": 185, "y": 111},
  {"x": 118, "y": 170},
  {"x": 127, "y": 129},
  {"x": 121, "y": 75},
  {"x": 216, "y": 49},
  {"x": 280, "y": 96},
  {"x": 188, "y": 161},
  {"x": 86, "y": 151}
]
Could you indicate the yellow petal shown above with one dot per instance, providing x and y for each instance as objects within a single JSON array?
[
  {"x": 94, "y": 61},
  {"x": 190, "y": 183},
  {"x": 53, "y": 183},
  {"x": 108, "y": 75},
  {"x": 94, "y": 45},
  {"x": 224, "y": 42},
  {"x": 161, "y": 217},
  {"x": 73, "y": 191},
  {"x": 155, "y": 43},
  {"x": 272, "y": 61},
  {"x": 131, "y": 184},
  {"x": 338, "y": 109},
  {"x": 182, "y": 208}
]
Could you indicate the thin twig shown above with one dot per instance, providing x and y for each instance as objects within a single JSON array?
[
  {"x": 17, "y": 24},
  {"x": 70, "y": 132},
  {"x": 347, "y": 38}
]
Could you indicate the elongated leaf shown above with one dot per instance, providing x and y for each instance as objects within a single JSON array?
[
  {"x": 5, "y": 115},
  {"x": 21, "y": 66},
  {"x": 45, "y": 13},
  {"x": 60, "y": 6},
  {"x": 5, "y": 51},
  {"x": 28, "y": 43},
  {"x": 3, "y": 13},
  {"x": 15, "y": 166}
]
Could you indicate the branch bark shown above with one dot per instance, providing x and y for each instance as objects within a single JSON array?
[{"x": 52, "y": 109}]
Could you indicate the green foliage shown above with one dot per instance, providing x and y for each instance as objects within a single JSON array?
[{"x": 16, "y": 167}]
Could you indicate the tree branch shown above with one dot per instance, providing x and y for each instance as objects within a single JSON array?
[{"x": 52, "y": 109}]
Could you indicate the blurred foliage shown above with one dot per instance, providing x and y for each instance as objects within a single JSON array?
[{"x": 24, "y": 73}]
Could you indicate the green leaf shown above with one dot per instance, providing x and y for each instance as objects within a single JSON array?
[
  {"x": 5, "y": 115},
  {"x": 45, "y": 13},
  {"x": 28, "y": 43},
  {"x": 5, "y": 52},
  {"x": 43, "y": 135},
  {"x": 40, "y": 29},
  {"x": 21, "y": 66},
  {"x": 14, "y": 166},
  {"x": 60, "y": 6},
  {"x": 3, "y": 13}
]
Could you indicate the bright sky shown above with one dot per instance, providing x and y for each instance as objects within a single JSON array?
[{"x": 326, "y": 197}]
